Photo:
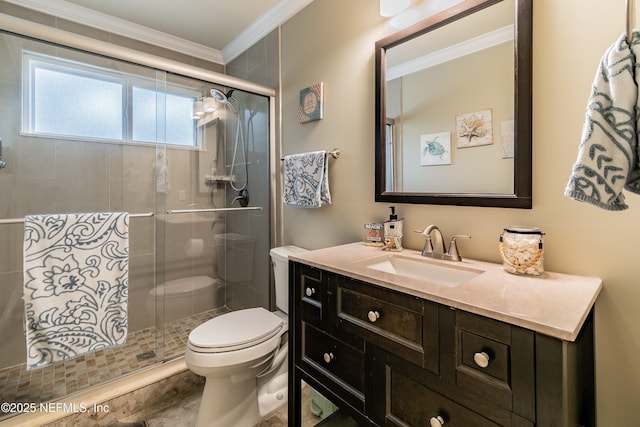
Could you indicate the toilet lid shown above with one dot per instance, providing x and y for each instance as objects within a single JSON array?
[{"x": 236, "y": 330}]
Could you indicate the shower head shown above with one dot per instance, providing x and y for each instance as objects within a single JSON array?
[
  {"x": 220, "y": 96},
  {"x": 223, "y": 98}
]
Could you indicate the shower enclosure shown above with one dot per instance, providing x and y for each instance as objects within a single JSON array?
[{"x": 83, "y": 132}]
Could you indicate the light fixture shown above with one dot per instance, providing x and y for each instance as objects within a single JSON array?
[
  {"x": 393, "y": 7},
  {"x": 198, "y": 109},
  {"x": 209, "y": 105},
  {"x": 404, "y": 19}
]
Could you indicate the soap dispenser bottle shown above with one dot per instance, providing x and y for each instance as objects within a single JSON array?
[{"x": 393, "y": 232}]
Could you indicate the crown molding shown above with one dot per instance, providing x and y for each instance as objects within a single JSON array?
[
  {"x": 262, "y": 26},
  {"x": 91, "y": 18},
  {"x": 458, "y": 50}
]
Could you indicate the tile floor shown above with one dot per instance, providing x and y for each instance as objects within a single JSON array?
[
  {"x": 42, "y": 385},
  {"x": 183, "y": 414}
]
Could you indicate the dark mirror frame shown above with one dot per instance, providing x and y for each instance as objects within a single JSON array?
[{"x": 521, "y": 198}]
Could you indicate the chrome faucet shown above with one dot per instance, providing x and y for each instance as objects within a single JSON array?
[{"x": 451, "y": 255}]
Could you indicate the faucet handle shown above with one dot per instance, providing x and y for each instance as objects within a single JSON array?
[
  {"x": 423, "y": 232},
  {"x": 428, "y": 244},
  {"x": 453, "y": 253}
]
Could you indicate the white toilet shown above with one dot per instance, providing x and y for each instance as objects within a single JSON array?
[{"x": 243, "y": 355}]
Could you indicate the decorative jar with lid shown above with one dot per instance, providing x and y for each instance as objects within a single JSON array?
[{"x": 522, "y": 250}]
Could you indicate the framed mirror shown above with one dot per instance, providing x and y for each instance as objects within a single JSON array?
[{"x": 453, "y": 108}]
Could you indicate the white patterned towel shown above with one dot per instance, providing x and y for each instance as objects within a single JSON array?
[
  {"x": 306, "y": 180},
  {"x": 76, "y": 270},
  {"x": 608, "y": 154}
]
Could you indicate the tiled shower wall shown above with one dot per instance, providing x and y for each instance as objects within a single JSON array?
[{"x": 259, "y": 64}]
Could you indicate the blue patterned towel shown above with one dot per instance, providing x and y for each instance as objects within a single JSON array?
[
  {"x": 76, "y": 270},
  {"x": 306, "y": 180},
  {"x": 608, "y": 154}
]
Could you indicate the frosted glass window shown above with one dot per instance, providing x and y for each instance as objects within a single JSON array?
[
  {"x": 181, "y": 128},
  {"x": 65, "y": 103},
  {"x": 144, "y": 115},
  {"x": 179, "y": 125},
  {"x": 71, "y": 99}
]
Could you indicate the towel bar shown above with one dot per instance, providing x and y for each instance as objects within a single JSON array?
[
  {"x": 21, "y": 220},
  {"x": 335, "y": 153},
  {"x": 185, "y": 211}
]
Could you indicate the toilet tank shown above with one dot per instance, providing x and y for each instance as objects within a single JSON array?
[{"x": 280, "y": 262}]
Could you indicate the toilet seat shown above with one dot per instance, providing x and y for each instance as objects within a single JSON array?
[{"x": 235, "y": 331}]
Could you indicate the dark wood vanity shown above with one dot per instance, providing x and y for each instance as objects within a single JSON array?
[{"x": 389, "y": 358}]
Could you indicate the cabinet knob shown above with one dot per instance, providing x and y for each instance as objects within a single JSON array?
[
  {"x": 482, "y": 359},
  {"x": 310, "y": 291},
  {"x": 373, "y": 316},
  {"x": 436, "y": 421},
  {"x": 328, "y": 357}
]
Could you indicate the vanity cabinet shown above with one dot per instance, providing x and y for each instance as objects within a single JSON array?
[{"x": 388, "y": 358}]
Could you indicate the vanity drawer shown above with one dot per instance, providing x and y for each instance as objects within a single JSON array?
[
  {"x": 411, "y": 403},
  {"x": 336, "y": 361},
  {"x": 312, "y": 289},
  {"x": 495, "y": 361},
  {"x": 399, "y": 323}
]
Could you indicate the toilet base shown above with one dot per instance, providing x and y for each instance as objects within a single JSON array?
[
  {"x": 241, "y": 396},
  {"x": 226, "y": 403}
]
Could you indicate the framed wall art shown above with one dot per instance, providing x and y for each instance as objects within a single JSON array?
[
  {"x": 474, "y": 129},
  {"x": 311, "y": 103},
  {"x": 435, "y": 149}
]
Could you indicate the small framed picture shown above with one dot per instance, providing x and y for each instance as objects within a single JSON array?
[
  {"x": 435, "y": 149},
  {"x": 474, "y": 129},
  {"x": 311, "y": 100}
]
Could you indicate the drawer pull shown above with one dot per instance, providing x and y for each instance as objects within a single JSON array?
[
  {"x": 436, "y": 421},
  {"x": 482, "y": 359},
  {"x": 373, "y": 316},
  {"x": 310, "y": 291},
  {"x": 328, "y": 357}
]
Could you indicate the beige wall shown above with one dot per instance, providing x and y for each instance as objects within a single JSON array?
[{"x": 332, "y": 41}]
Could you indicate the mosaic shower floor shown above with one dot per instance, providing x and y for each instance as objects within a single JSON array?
[{"x": 142, "y": 349}]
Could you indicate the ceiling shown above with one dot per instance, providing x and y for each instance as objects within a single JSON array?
[{"x": 215, "y": 30}]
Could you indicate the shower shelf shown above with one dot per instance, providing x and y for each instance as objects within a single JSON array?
[{"x": 218, "y": 179}]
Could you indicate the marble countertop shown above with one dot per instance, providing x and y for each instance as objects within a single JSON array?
[{"x": 553, "y": 304}]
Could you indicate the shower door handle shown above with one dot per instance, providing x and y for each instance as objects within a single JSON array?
[{"x": 2, "y": 162}]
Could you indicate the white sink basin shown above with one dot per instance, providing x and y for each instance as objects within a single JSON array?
[{"x": 423, "y": 270}]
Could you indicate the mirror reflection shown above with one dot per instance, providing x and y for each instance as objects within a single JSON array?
[{"x": 447, "y": 118}]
